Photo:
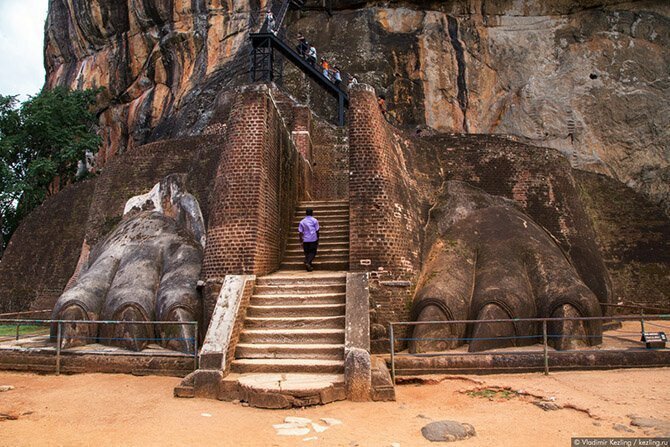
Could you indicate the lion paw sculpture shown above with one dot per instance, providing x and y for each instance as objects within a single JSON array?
[
  {"x": 487, "y": 260},
  {"x": 146, "y": 269}
]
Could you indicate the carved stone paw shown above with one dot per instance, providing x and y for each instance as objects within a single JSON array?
[
  {"x": 146, "y": 269},
  {"x": 489, "y": 261}
]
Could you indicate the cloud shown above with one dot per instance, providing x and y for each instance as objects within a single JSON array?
[{"x": 21, "y": 46}]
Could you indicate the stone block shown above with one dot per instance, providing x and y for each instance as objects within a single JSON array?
[
  {"x": 229, "y": 390},
  {"x": 333, "y": 394},
  {"x": 206, "y": 383},
  {"x": 383, "y": 388},
  {"x": 357, "y": 312},
  {"x": 357, "y": 375},
  {"x": 268, "y": 400},
  {"x": 184, "y": 391}
]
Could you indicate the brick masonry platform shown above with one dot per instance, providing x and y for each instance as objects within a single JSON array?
[{"x": 38, "y": 354}]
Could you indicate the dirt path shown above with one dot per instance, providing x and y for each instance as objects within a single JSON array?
[{"x": 97, "y": 409}]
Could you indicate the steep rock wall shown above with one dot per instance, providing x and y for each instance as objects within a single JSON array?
[
  {"x": 587, "y": 78},
  {"x": 162, "y": 62},
  {"x": 43, "y": 252}
]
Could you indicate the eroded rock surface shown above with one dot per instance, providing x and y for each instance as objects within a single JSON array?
[
  {"x": 162, "y": 62},
  {"x": 588, "y": 78},
  {"x": 146, "y": 269},
  {"x": 487, "y": 260}
]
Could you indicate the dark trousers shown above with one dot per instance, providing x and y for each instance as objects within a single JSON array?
[{"x": 310, "y": 251}]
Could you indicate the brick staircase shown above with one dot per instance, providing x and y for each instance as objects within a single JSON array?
[
  {"x": 291, "y": 349},
  {"x": 333, "y": 253}
]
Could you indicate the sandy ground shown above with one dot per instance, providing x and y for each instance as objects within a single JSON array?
[{"x": 100, "y": 409}]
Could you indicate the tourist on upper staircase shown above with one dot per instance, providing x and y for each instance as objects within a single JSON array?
[
  {"x": 270, "y": 22},
  {"x": 352, "y": 82},
  {"x": 312, "y": 55},
  {"x": 382, "y": 105},
  {"x": 337, "y": 76},
  {"x": 308, "y": 229},
  {"x": 325, "y": 66},
  {"x": 303, "y": 46}
]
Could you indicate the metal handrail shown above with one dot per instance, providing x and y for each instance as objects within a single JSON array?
[
  {"x": 59, "y": 332},
  {"x": 508, "y": 320},
  {"x": 545, "y": 336}
]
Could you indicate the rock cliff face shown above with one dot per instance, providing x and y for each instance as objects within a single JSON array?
[
  {"x": 161, "y": 62},
  {"x": 589, "y": 78}
]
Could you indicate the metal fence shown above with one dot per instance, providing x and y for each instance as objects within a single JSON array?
[
  {"x": 48, "y": 324},
  {"x": 646, "y": 322}
]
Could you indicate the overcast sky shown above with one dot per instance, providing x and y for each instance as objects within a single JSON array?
[{"x": 21, "y": 42}]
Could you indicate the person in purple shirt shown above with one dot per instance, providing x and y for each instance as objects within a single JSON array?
[{"x": 309, "y": 236}]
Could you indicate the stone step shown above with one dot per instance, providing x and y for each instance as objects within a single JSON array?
[
  {"x": 320, "y": 253},
  {"x": 329, "y": 263},
  {"x": 324, "y": 227},
  {"x": 333, "y": 322},
  {"x": 326, "y": 231},
  {"x": 337, "y": 239},
  {"x": 298, "y": 300},
  {"x": 313, "y": 278},
  {"x": 304, "y": 310},
  {"x": 320, "y": 257},
  {"x": 326, "y": 265},
  {"x": 328, "y": 211},
  {"x": 327, "y": 215},
  {"x": 330, "y": 237},
  {"x": 322, "y": 245},
  {"x": 321, "y": 250},
  {"x": 320, "y": 212},
  {"x": 324, "y": 235},
  {"x": 325, "y": 221},
  {"x": 292, "y": 336},
  {"x": 242, "y": 366},
  {"x": 276, "y": 390},
  {"x": 323, "y": 204},
  {"x": 301, "y": 289},
  {"x": 290, "y": 351}
]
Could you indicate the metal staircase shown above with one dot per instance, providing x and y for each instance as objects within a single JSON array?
[{"x": 266, "y": 67}]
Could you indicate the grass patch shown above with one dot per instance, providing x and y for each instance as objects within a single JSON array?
[
  {"x": 10, "y": 330},
  {"x": 492, "y": 394}
]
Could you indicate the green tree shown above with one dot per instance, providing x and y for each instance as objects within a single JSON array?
[{"x": 41, "y": 143}]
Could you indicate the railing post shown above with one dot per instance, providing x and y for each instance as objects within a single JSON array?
[
  {"x": 392, "y": 340},
  {"x": 58, "y": 343},
  {"x": 18, "y": 325},
  {"x": 340, "y": 109},
  {"x": 195, "y": 348},
  {"x": 544, "y": 342}
]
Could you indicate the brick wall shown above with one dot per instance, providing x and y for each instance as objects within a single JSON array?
[
  {"x": 258, "y": 182},
  {"x": 324, "y": 146},
  {"x": 385, "y": 214},
  {"x": 634, "y": 237},
  {"x": 43, "y": 252},
  {"x": 330, "y": 161}
]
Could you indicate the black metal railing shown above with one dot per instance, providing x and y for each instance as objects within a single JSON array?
[
  {"x": 543, "y": 336},
  {"x": 43, "y": 328}
]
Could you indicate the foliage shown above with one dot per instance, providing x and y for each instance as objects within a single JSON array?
[
  {"x": 493, "y": 393},
  {"x": 41, "y": 143},
  {"x": 10, "y": 330}
]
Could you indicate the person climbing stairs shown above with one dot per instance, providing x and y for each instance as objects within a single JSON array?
[{"x": 292, "y": 344}]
